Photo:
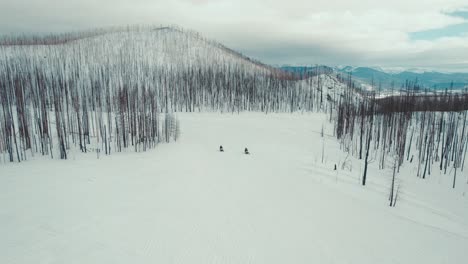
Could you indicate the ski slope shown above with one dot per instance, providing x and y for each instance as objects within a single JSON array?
[{"x": 186, "y": 202}]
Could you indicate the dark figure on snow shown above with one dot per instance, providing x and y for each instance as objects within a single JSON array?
[
  {"x": 246, "y": 151},
  {"x": 221, "y": 149},
  {"x": 335, "y": 167}
]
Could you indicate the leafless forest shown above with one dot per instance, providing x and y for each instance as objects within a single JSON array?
[
  {"x": 422, "y": 128},
  {"x": 106, "y": 91},
  {"x": 109, "y": 90}
]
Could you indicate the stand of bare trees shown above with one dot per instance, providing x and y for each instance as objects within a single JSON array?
[
  {"x": 115, "y": 89},
  {"x": 108, "y": 90},
  {"x": 40, "y": 111},
  {"x": 428, "y": 127}
]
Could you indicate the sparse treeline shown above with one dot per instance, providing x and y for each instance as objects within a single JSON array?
[
  {"x": 107, "y": 91},
  {"x": 41, "y": 112},
  {"x": 427, "y": 129}
]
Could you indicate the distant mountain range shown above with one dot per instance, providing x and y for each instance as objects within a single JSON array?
[{"x": 397, "y": 79}]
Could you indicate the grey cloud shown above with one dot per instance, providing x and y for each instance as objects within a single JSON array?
[{"x": 273, "y": 31}]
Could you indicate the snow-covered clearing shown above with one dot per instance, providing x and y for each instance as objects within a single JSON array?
[{"x": 186, "y": 202}]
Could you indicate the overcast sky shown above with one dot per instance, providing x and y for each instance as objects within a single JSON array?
[{"x": 430, "y": 34}]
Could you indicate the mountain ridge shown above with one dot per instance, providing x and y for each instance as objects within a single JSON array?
[{"x": 377, "y": 76}]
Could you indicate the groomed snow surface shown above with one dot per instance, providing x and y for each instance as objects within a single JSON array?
[{"x": 186, "y": 202}]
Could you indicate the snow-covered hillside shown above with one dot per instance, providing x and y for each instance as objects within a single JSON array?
[
  {"x": 111, "y": 87},
  {"x": 167, "y": 47},
  {"x": 189, "y": 203},
  {"x": 301, "y": 196}
]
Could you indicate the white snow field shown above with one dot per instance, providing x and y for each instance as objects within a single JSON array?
[{"x": 186, "y": 202}]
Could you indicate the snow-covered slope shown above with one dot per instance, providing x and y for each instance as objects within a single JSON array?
[
  {"x": 169, "y": 47},
  {"x": 96, "y": 85},
  {"x": 296, "y": 199},
  {"x": 188, "y": 203}
]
